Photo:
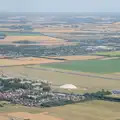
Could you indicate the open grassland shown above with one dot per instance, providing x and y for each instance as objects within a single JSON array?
[
  {"x": 109, "y": 54},
  {"x": 94, "y": 110},
  {"x": 93, "y": 66}
]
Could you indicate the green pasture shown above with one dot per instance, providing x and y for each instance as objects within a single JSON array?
[
  {"x": 93, "y": 66},
  {"x": 109, "y": 54}
]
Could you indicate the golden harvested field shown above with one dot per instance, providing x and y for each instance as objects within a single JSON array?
[
  {"x": 42, "y": 40},
  {"x": 25, "y": 115},
  {"x": 80, "y": 57},
  {"x": 93, "y": 110},
  {"x": 2, "y": 117},
  {"x": 25, "y": 61},
  {"x": 31, "y": 38}
]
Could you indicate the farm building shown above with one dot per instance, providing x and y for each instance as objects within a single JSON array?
[
  {"x": 68, "y": 86},
  {"x": 2, "y": 35},
  {"x": 116, "y": 92}
]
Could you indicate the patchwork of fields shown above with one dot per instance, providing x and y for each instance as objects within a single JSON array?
[
  {"x": 39, "y": 38},
  {"x": 41, "y": 47},
  {"x": 85, "y": 83},
  {"x": 33, "y": 60},
  {"x": 87, "y": 73}
]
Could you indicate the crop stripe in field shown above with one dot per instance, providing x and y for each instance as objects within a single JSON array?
[{"x": 73, "y": 73}]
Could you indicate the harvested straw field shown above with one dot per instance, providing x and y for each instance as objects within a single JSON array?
[
  {"x": 79, "y": 57},
  {"x": 26, "y": 116},
  {"x": 25, "y": 61},
  {"x": 42, "y": 40}
]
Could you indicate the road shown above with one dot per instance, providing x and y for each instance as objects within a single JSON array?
[{"x": 74, "y": 73}]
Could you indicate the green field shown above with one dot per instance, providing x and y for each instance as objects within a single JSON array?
[
  {"x": 93, "y": 66},
  {"x": 109, "y": 54}
]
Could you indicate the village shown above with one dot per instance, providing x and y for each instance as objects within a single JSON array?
[
  {"x": 40, "y": 94},
  {"x": 34, "y": 93}
]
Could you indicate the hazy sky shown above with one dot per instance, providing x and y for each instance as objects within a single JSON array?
[{"x": 60, "y": 5}]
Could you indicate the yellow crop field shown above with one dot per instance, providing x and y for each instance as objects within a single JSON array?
[
  {"x": 25, "y": 61},
  {"x": 41, "y": 40}
]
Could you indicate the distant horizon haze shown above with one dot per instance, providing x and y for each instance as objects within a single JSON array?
[{"x": 60, "y": 6}]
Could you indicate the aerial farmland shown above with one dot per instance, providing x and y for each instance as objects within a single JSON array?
[{"x": 70, "y": 50}]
